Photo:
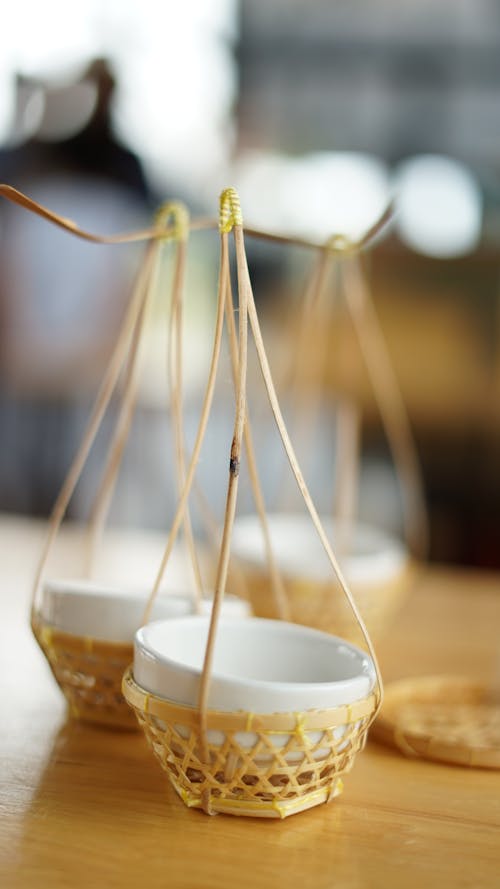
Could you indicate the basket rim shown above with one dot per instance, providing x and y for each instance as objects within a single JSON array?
[
  {"x": 144, "y": 647},
  {"x": 47, "y": 634},
  {"x": 241, "y": 720}
]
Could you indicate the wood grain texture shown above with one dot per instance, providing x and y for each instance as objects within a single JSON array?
[{"x": 85, "y": 807}]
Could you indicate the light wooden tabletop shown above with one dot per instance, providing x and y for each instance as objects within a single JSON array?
[{"x": 84, "y": 807}]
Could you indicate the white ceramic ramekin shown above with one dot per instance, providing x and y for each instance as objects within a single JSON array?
[
  {"x": 373, "y": 556},
  {"x": 85, "y": 608},
  {"x": 376, "y": 566},
  {"x": 260, "y": 666}
]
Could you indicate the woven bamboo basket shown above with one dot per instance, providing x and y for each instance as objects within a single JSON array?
[
  {"x": 89, "y": 672},
  {"x": 267, "y": 766},
  {"x": 89, "y": 668},
  {"x": 379, "y": 571},
  {"x": 241, "y": 762}
]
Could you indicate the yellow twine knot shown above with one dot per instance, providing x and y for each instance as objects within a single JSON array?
[
  {"x": 229, "y": 210},
  {"x": 300, "y": 722},
  {"x": 340, "y": 244},
  {"x": 173, "y": 218}
]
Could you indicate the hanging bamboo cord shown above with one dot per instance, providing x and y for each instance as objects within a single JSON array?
[
  {"x": 313, "y": 292},
  {"x": 130, "y": 338},
  {"x": 273, "y": 400},
  {"x": 385, "y": 387},
  {"x": 177, "y": 213},
  {"x": 389, "y": 401},
  {"x": 148, "y": 234},
  {"x": 109, "y": 381},
  {"x": 347, "y": 457},
  {"x": 211, "y": 528},
  {"x": 106, "y": 487},
  {"x": 230, "y": 219},
  {"x": 306, "y": 407},
  {"x": 200, "y": 435},
  {"x": 202, "y": 224},
  {"x": 101, "y": 403},
  {"x": 278, "y": 589},
  {"x": 346, "y": 477},
  {"x": 173, "y": 218}
]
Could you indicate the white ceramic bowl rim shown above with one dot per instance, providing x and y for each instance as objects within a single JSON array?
[
  {"x": 145, "y": 647},
  {"x": 88, "y": 608},
  {"x": 375, "y": 556}
]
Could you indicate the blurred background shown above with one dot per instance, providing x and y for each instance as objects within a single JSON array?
[{"x": 320, "y": 114}]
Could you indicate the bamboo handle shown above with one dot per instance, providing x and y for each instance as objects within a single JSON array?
[
  {"x": 230, "y": 218},
  {"x": 278, "y": 589}
]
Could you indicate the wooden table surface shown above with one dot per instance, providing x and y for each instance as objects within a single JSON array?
[{"x": 84, "y": 807}]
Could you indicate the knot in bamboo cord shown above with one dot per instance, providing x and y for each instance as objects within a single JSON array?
[
  {"x": 172, "y": 220},
  {"x": 229, "y": 210},
  {"x": 341, "y": 244}
]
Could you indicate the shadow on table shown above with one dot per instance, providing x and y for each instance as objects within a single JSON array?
[{"x": 103, "y": 804}]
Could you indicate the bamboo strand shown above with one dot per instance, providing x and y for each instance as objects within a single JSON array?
[
  {"x": 101, "y": 402},
  {"x": 17, "y": 197},
  {"x": 238, "y": 581},
  {"x": 266, "y": 373},
  {"x": 106, "y": 488},
  {"x": 346, "y": 474},
  {"x": 234, "y": 468},
  {"x": 391, "y": 406},
  {"x": 176, "y": 389},
  {"x": 378, "y": 227},
  {"x": 314, "y": 291},
  {"x": 303, "y": 417},
  {"x": 277, "y": 586},
  {"x": 202, "y": 426}
]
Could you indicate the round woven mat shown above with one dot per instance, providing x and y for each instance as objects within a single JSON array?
[{"x": 443, "y": 718}]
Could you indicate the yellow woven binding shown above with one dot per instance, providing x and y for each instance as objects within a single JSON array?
[
  {"x": 172, "y": 218},
  {"x": 262, "y": 765},
  {"x": 229, "y": 210},
  {"x": 89, "y": 672}
]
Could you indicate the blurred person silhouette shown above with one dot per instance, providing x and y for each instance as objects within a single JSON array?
[{"x": 61, "y": 299}]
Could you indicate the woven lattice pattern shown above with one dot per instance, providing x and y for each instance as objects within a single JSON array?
[
  {"x": 89, "y": 672},
  {"x": 477, "y": 725},
  {"x": 445, "y": 718},
  {"x": 319, "y": 605},
  {"x": 261, "y": 765}
]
